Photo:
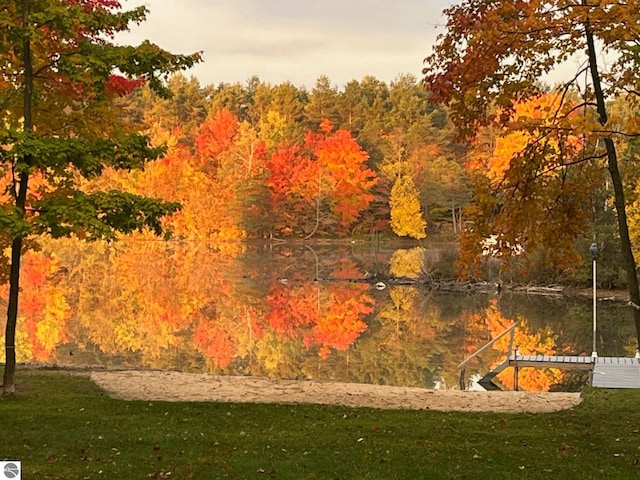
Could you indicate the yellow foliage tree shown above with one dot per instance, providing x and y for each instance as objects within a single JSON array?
[{"x": 406, "y": 213}]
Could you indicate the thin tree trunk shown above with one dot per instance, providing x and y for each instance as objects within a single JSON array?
[
  {"x": 20, "y": 194},
  {"x": 318, "y": 200},
  {"x": 453, "y": 218},
  {"x": 614, "y": 171},
  {"x": 9, "y": 387}
]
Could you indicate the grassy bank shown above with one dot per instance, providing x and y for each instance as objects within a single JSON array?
[{"x": 61, "y": 426}]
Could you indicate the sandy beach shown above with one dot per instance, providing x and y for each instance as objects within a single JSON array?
[{"x": 189, "y": 387}]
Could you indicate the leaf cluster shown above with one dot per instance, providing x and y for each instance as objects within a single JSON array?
[
  {"x": 494, "y": 54},
  {"x": 544, "y": 159},
  {"x": 100, "y": 215},
  {"x": 60, "y": 124}
]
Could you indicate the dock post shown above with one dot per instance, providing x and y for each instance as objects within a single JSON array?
[
  {"x": 515, "y": 369},
  {"x": 593, "y": 250}
]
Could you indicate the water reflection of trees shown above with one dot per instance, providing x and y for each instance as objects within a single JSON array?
[
  {"x": 527, "y": 340},
  {"x": 289, "y": 311}
]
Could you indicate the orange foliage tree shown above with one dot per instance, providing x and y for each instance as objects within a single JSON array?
[
  {"x": 531, "y": 192},
  {"x": 215, "y": 178},
  {"x": 325, "y": 180}
]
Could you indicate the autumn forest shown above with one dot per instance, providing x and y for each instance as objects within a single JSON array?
[
  {"x": 287, "y": 163},
  {"x": 127, "y": 180}
]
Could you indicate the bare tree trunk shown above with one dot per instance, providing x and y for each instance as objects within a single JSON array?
[
  {"x": 614, "y": 171},
  {"x": 20, "y": 196},
  {"x": 318, "y": 200},
  {"x": 454, "y": 219}
]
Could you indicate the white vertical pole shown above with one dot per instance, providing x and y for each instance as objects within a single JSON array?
[{"x": 594, "y": 354}]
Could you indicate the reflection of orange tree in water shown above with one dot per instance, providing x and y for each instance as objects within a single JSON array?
[
  {"x": 325, "y": 315},
  {"x": 494, "y": 323},
  {"x": 155, "y": 299},
  {"x": 342, "y": 322},
  {"x": 182, "y": 297},
  {"x": 224, "y": 322},
  {"x": 43, "y": 311},
  {"x": 147, "y": 312},
  {"x": 215, "y": 343},
  {"x": 149, "y": 298},
  {"x": 232, "y": 334}
]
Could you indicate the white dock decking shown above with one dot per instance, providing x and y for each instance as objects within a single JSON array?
[
  {"x": 607, "y": 372},
  {"x": 551, "y": 361},
  {"x": 616, "y": 372}
]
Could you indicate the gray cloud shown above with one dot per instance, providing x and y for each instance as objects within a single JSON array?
[{"x": 294, "y": 40}]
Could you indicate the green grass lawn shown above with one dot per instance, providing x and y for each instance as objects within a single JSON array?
[{"x": 61, "y": 426}]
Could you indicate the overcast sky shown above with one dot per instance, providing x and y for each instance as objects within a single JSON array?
[{"x": 294, "y": 40}]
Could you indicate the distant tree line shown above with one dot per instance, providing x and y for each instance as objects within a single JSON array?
[
  {"x": 256, "y": 160},
  {"x": 288, "y": 162}
]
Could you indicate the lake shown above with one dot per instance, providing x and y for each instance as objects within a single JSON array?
[{"x": 337, "y": 311}]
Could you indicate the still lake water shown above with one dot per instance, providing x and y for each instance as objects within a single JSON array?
[{"x": 290, "y": 310}]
